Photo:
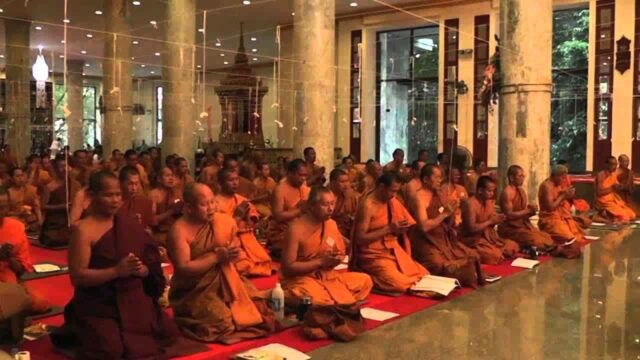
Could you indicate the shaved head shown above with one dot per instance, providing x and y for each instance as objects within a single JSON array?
[{"x": 194, "y": 191}]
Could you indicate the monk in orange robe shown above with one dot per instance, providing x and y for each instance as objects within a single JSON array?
[
  {"x": 380, "y": 244},
  {"x": 116, "y": 272},
  {"x": 131, "y": 159},
  {"x": 352, "y": 172},
  {"x": 316, "y": 173},
  {"x": 264, "y": 188},
  {"x": 289, "y": 200},
  {"x": 168, "y": 205},
  {"x": 211, "y": 301},
  {"x": 56, "y": 227},
  {"x": 209, "y": 174},
  {"x": 314, "y": 247},
  {"x": 454, "y": 191},
  {"x": 346, "y": 205},
  {"x": 15, "y": 259},
  {"x": 245, "y": 186},
  {"x": 36, "y": 175},
  {"x": 181, "y": 173},
  {"x": 368, "y": 183},
  {"x": 253, "y": 259},
  {"x": 555, "y": 219},
  {"x": 135, "y": 203},
  {"x": 626, "y": 179},
  {"x": 609, "y": 203},
  {"x": 479, "y": 219},
  {"x": 24, "y": 201},
  {"x": 414, "y": 184},
  {"x": 397, "y": 166},
  {"x": 514, "y": 204},
  {"x": 434, "y": 241}
]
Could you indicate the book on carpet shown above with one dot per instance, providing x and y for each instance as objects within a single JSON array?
[
  {"x": 377, "y": 315},
  {"x": 598, "y": 224},
  {"x": 47, "y": 267},
  {"x": 525, "y": 263},
  {"x": 438, "y": 284},
  {"x": 591, "y": 237},
  {"x": 272, "y": 352},
  {"x": 490, "y": 278}
]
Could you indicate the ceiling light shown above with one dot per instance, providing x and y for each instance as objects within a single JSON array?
[
  {"x": 253, "y": 39},
  {"x": 89, "y": 36},
  {"x": 61, "y": 41},
  {"x": 143, "y": 65},
  {"x": 254, "y": 50},
  {"x": 133, "y": 58},
  {"x": 153, "y": 22},
  {"x": 255, "y": 59},
  {"x": 61, "y": 56},
  {"x": 1, "y": 10},
  {"x": 66, "y": 21},
  {"x": 246, "y": 2},
  {"x": 153, "y": 72},
  {"x": 293, "y": 14},
  {"x": 199, "y": 66},
  {"x": 226, "y": 63},
  {"x": 38, "y": 28},
  {"x": 157, "y": 54},
  {"x": 87, "y": 65},
  {"x": 137, "y": 3},
  {"x": 353, "y": 4},
  {"x": 1, "y": 56},
  {"x": 218, "y": 44},
  {"x": 221, "y": 54},
  {"x": 83, "y": 74},
  {"x": 83, "y": 52},
  {"x": 135, "y": 42},
  {"x": 201, "y": 30},
  {"x": 98, "y": 12}
]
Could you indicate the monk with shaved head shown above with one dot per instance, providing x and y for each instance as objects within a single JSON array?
[
  {"x": 211, "y": 301},
  {"x": 167, "y": 201},
  {"x": 346, "y": 201},
  {"x": 625, "y": 178},
  {"x": 609, "y": 202}
]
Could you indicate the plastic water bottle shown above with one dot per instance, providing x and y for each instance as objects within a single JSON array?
[{"x": 277, "y": 301}]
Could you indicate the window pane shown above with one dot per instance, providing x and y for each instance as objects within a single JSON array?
[{"x": 395, "y": 48}]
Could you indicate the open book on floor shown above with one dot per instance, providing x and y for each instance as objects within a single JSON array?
[
  {"x": 525, "y": 263},
  {"x": 272, "y": 352},
  {"x": 438, "y": 284}
]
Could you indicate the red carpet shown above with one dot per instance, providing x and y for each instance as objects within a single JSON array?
[{"x": 59, "y": 292}]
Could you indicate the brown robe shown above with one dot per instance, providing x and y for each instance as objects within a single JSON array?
[
  {"x": 122, "y": 318},
  {"x": 218, "y": 305},
  {"x": 161, "y": 229},
  {"x": 56, "y": 229},
  {"x": 442, "y": 253},
  {"x": 139, "y": 208}
]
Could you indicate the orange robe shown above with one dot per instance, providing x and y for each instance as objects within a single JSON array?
[
  {"x": 626, "y": 177},
  {"x": 441, "y": 252},
  {"x": 264, "y": 188},
  {"x": 580, "y": 205},
  {"x": 13, "y": 232},
  {"x": 345, "y": 211},
  {"x": 388, "y": 259},
  {"x": 161, "y": 229},
  {"x": 254, "y": 259},
  {"x": 17, "y": 202},
  {"x": 612, "y": 206},
  {"x": 139, "y": 208},
  {"x": 323, "y": 286},
  {"x": 246, "y": 188},
  {"x": 559, "y": 223},
  {"x": 492, "y": 248},
  {"x": 291, "y": 197},
  {"x": 41, "y": 178},
  {"x": 522, "y": 230},
  {"x": 456, "y": 193},
  {"x": 218, "y": 305}
]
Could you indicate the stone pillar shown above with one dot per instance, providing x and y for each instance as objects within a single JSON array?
[
  {"x": 117, "y": 133},
  {"x": 75, "y": 104},
  {"x": 314, "y": 78},
  {"x": 179, "y": 115},
  {"x": 18, "y": 69},
  {"x": 525, "y": 96}
]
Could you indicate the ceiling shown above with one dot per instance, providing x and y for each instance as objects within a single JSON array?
[{"x": 86, "y": 37}]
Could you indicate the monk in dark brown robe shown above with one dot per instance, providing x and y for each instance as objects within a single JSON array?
[
  {"x": 211, "y": 301},
  {"x": 56, "y": 227},
  {"x": 344, "y": 212},
  {"x": 479, "y": 220},
  {"x": 434, "y": 242},
  {"x": 117, "y": 275},
  {"x": 135, "y": 204}
]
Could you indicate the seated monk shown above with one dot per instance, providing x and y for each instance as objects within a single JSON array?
[
  {"x": 289, "y": 199},
  {"x": 209, "y": 174},
  {"x": 253, "y": 259},
  {"x": 414, "y": 184},
  {"x": 36, "y": 175},
  {"x": 555, "y": 219},
  {"x": 80, "y": 171},
  {"x": 56, "y": 227},
  {"x": 80, "y": 204},
  {"x": 245, "y": 186},
  {"x": 352, "y": 172},
  {"x": 168, "y": 205},
  {"x": 135, "y": 203},
  {"x": 131, "y": 159},
  {"x": 453, "y": 191},
  {"x": 24, "y": 202},
  {"x": 514, "y": 204},
  {"x": 397, "y": 166},
  {"x": 368, "y": 183},
  {"x": 117, "y": 276},
  {"x": 609, "y": 203},
  {"x": 211, "y": 301},
  {"x": 181, "y": 173},
  {"x": 15, "y": 259},
  {"x": 626, "y": 179},
  {"x": 346, "y": 202},
  {"x": 316, "y": 173},
  {"x": 264, "y": 188},
  {"x": 479, "y": 220},
  {"x": 380, "y": 245},
  {"x": 314, "y": 247},
  {"x": 579, "y": 208},
  {"x": 434, "y": 241}
]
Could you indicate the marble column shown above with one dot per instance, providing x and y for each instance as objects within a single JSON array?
[
  {"x": 18, "y": 87},
  {"x": 117, "y": 132},
  {"x": 314, "y": 78},
  {"x": 525, "y": 96},
  {"x": 179, "y": 112},
  {"x": 74, "y": 104}
]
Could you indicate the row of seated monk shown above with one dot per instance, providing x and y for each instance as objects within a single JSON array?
[{"x": 395, "y": 233}]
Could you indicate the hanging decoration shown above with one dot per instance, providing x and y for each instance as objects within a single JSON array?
[{"x": 40, "y": 71}]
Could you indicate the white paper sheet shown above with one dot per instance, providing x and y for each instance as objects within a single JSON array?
[
  {"x": 377, "y": 315},
  {"x": 273, "y": 349},
  {"x": 591, "y": 237},
  {"x": 598, "y": 224},
  {"x": 439, "y": 284},
  {"x": 45, "y": 268},
  {"x": 525, "y": 263},
  {"x": 341, "y": 267}
]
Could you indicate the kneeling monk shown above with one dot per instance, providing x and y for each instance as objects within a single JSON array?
[
  {"x": 211, "y": 302},
  {"x": 609, "y": 202},
  {"x": 479, "y": 219},
  {"x": 434, "y": 240},
  {"x": 314, "y": 247},
  {"x": 253, "y": 259},
  {"x": 116, "y": 271},
  {"x": 380, "y": 245}
]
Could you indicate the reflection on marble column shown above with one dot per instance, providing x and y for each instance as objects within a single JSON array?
[
  {"x": 117, "y": 133},
  {"x": 74, "y": 104},
  {"x": 18, "y": 85},
  {"x": 314, "y": 78},
  {"x": 179, "y": 115},
  {"x": 525, "y": 96}
]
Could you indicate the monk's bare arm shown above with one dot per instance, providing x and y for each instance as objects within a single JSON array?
[
  {"x": 37, "y": 209},
  {"x": 278, "y": 208},
  {"x": 418, "y": 207},
  {"x": 77, "y": 207},
  {"x": 506, "y": 205},
  {"x": 600, "y": 189},
  {"x": 180, "y": 254},
  {"x": 290, "y": 264},
  {"x": 156, "y": 199},
  {"x": 470, "y": 220},
  {"x": 547, "y": 202},
  {"x": 79, "y": 256},
  {"x": 363, "y": 234}
]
